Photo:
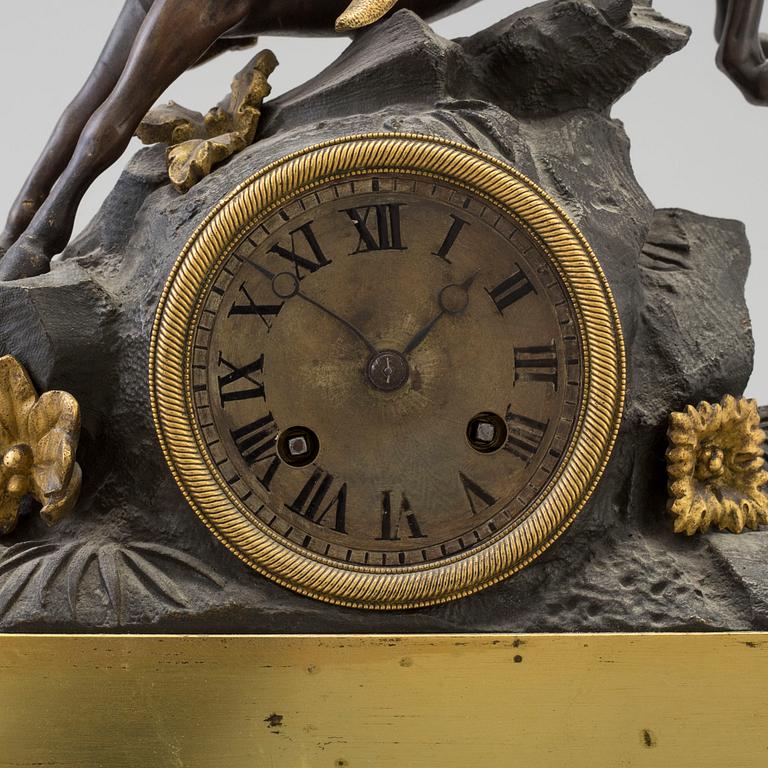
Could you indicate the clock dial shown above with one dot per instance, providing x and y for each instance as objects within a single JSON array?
[
  {"x": 420, "y": 337},
  {"x": 398, "y": 382}
]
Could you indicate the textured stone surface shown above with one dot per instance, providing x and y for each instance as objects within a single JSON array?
[
  {"x": 603, "y": 48},
  {"x": 534, "y": 90}
]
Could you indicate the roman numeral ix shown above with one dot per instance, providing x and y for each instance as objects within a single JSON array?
[{"x": 245, "y": 375}]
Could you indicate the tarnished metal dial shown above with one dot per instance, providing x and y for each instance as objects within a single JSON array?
[{"x": 384, "y": 315}]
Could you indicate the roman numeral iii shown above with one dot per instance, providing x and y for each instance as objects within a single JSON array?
[
  {"x": 378, "y": 227},
  {"x": 537, "y": 364}
]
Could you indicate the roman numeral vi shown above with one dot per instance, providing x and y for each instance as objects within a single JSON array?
[{"x": 391, "y": 520}]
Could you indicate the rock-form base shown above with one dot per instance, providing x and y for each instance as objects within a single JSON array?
[{"x": 534, "y": 90}]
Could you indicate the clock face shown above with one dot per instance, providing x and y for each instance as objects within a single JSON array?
[
  {"x": 415, "y": 339},
  {"x": 385, "y": 378}
]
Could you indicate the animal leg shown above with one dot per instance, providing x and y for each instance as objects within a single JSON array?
[
  {"x": 173, "y": 36},
  {"x": 741, "y": 55},
  {"x": 722, "y": 12},
  {"x": 63, "y": 140}
]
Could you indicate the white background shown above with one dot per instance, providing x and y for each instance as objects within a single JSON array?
[{"x": 695, "y": 142}]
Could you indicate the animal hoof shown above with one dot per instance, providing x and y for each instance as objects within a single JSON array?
[
  {"x": 361, "y": 13},
  {"x": 23, "y": 259}
]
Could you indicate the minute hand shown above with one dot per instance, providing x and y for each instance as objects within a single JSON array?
[
  {"x": 344, "y": 322},
  {"x": 453, "y": 300},
  {"x": 285, "y": 285}
]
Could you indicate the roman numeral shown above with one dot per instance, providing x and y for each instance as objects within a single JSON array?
[
  {"x": 476, "y": 495},
  {"x": 250, "y": 307},
  {"x": 511, "y": 290},
  {"x": 312, "y": 498},
  {"x": 246, "y": 375},
  {"x": 391, "y": 521},
  {"x": 450, "y": 239},
  {"x": 525, "y": 435},
  {"x": 311, "y": 264},
  {"x": 256, "y": 443},
  {"x": 537, "y": 364},
  {"x": 378, "y": 227}
]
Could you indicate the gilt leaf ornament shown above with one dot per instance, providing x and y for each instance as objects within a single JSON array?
[
  {"x": 198, "y": 143},
  {"x": 38, "y": 443}
]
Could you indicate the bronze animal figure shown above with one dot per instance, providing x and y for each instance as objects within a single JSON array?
[{"x": 155, "y": 41}]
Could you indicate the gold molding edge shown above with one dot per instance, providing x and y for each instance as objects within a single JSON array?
[{"x": 336, "y": 701}]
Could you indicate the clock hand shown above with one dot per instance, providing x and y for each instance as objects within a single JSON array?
[
  {"x": 342, "y": 320},
  {"x": 285, "y": 285},
  {"x": 452, "y": 300}
]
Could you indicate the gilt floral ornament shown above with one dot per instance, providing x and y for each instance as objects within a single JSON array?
[
  {"x": 38, "y": 442},
  {"x": 716, "y": 467},
  {"x": 198, "y": 143}
]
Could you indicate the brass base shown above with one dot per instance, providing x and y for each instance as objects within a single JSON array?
[{"x": 444, "y": 701}]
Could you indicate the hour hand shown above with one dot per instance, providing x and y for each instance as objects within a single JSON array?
[{"x": 453, "y": 299}]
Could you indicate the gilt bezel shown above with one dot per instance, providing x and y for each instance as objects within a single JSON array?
[{"x": 408, "y": 586}]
